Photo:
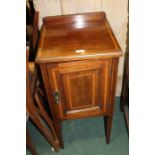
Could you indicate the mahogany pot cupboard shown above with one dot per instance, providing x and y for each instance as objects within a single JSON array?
[{"x": 78, "y": 56}]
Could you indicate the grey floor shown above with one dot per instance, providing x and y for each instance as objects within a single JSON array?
[{"x": 86, "y": 137}]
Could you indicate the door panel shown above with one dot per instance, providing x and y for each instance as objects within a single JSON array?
[{"x": 83, "y": 87}]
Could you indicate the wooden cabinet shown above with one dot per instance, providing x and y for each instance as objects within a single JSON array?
[
  {"x": 81, "y": 87},
  {"x": 78, "y": 56}
]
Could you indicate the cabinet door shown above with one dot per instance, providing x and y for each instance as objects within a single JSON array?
[{"x": 81, "y": 88}]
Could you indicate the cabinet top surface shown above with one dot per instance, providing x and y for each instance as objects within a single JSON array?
[{"x": 76, "y": 37}]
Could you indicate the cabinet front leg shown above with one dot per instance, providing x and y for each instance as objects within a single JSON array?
[
  {"x": 108, "y": 126},
  {"x": 58, "y": 126}
]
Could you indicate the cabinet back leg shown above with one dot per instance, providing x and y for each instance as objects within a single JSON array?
[{"x": 108, "y": 126}]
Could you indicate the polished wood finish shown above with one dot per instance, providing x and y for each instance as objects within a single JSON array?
[
  {"x": 80, "y": 85},
  {"x": 36, "y": 109},
  {"x": 79, "y": 37},
  {"x": 78, "y": 57},
  {"x": 74, "y": 19}
]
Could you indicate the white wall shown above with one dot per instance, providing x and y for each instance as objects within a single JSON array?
[{"x": 116, "y": 11}]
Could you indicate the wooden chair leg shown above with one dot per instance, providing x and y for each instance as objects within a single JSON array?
[
  {"x": 45, "y": 131},
  {"x": 55, "y": 126},
  {"x": 30, "y": 144},
  {"x": 37, "y": 112},
  {"x": 108, "y": 126},
  {"x": 44, "y": 114}
]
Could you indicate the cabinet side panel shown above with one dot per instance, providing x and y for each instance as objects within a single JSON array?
[{"x": 113, "y": 83}]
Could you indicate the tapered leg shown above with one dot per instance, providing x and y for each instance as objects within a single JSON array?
[
  {"x": 58, "y": 127},
  {"x": 36, "y": 119},
  {"x": 108, "y": 126}
]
